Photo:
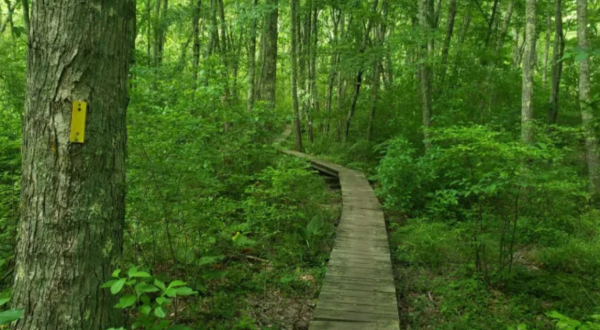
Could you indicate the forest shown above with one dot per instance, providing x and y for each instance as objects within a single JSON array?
[{"x": 143, "y": 183}]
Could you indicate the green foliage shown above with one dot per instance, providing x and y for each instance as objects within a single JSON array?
[
  {"x": 149, "y": 296},
  {"x": 7, "y": 315}
]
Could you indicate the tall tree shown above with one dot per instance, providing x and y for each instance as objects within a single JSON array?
[
  {"x": 528, "y": 63},
  {"x": 197, "y": 7},
  {"x": 425, "y": 71},
  {"x": 587, "y": 116},
  {"x": 505, "y": 25},
  {"x": 547, "y": 49},
  {"x": 269, "y": 61},
  {"x": 359, "y": 75},
  {"x": 73, "y": 194},
  {"x": 448, "y": 39},
  {"x": 557, "y": 65},
  {"x": 294, "y": 64}
]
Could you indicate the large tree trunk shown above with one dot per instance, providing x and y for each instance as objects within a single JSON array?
[
  {"x": 269, "y": 69},
  {"x": 557, "y": 65},
  {"x": 528, "y": 63},
  {"x": 73, "y": 194},
  {"x": 587, "y": 117},
  {"x": 425, "y": 72},
  {"x": 252, "y": 60},
  {"x": 294, "y": 64}
]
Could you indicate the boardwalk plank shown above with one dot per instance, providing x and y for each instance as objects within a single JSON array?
[{"x": 358, "y": 291}]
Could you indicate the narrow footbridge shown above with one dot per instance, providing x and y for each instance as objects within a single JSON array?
[{"x": 358, "y": 291}]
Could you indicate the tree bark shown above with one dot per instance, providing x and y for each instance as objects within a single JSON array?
[
  {"x": 425, "y": 21},
  {"x": 269, "y": 70},
  {"x": 294, "y": 65},
  {"x": 73, "y": 194},
  {"x": 557, "y": 65},
  {"x": 528, "y": 63},
  {"x": 587, "y": 116}
]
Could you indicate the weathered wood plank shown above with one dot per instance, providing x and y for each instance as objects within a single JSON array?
[
  {"x": 358, "y": 291},
  {"x": 331, "y": 315},
  {"x": 337, "y": 325}
]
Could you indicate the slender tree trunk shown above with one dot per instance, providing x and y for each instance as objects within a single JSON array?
[
  {"x": 557, "y": 65},
  {"x": 528, "y": 63},
  {"x": 9, "y": 20},
  {"x": 587, "y": 116},
  {"x": 197, "y": 6},
  {"x": 437, "y": 13},
  {"x": 448, "y": 39},
  {"x": 425, "y": 21},
  {"x": 505, "y": 25},
  {"x": 465, "y": 28},
  {"x": 269, "y": 70},
  {"x": 374, "y": 96},
  {"x": 336, "y": 17},
  {"x": 547, "y": 50},
  {"x": 73, "y": 194},
  {"x": 157, "y": 33},
  {"x": 26, "y": 20},
  {"x": 226, "y": 49},
  {"x": 491, "y": 22},
  {"x": 252, "y": 59},
  {"x": 314, "y": 92},
  {"x": 294, "y": 64},
  {"x": 358, "y": 81}
]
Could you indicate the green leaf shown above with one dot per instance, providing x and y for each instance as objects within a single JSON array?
[
  {"x": 10, "y": 315},
  {"x": 145, "y": 309},
  {"x": 140, "y": 274},
  {"x": 132, "y": 271},
  {"x": 145, "y": 288},
  {"x": 116, "y": 273},
  {"x": 160, "y": 312},
  {"x": 177, "y": 283},
  {"x": 179, "y": 327},
  {"x": 581, "y": 57},
  {"x": 171, "y": 292},
  {"x": 108, "y": 284},
  {"x": 185, "y": 291},
  {"x": 163, "y": 301},
  {"x": 126, "y": 301},
  {"x": 117, "y": 286},
  {"x": 160, "y": 284},
  {"x": 3, "y": 301}
]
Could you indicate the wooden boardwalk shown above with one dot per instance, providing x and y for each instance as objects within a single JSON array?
[{"x": 358, "y": 291}]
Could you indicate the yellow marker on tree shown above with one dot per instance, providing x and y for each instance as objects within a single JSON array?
[{"x": 78, "y": 121}]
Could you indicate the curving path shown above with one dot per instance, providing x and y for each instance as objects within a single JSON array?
[{"x": 358, "y": 291}]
